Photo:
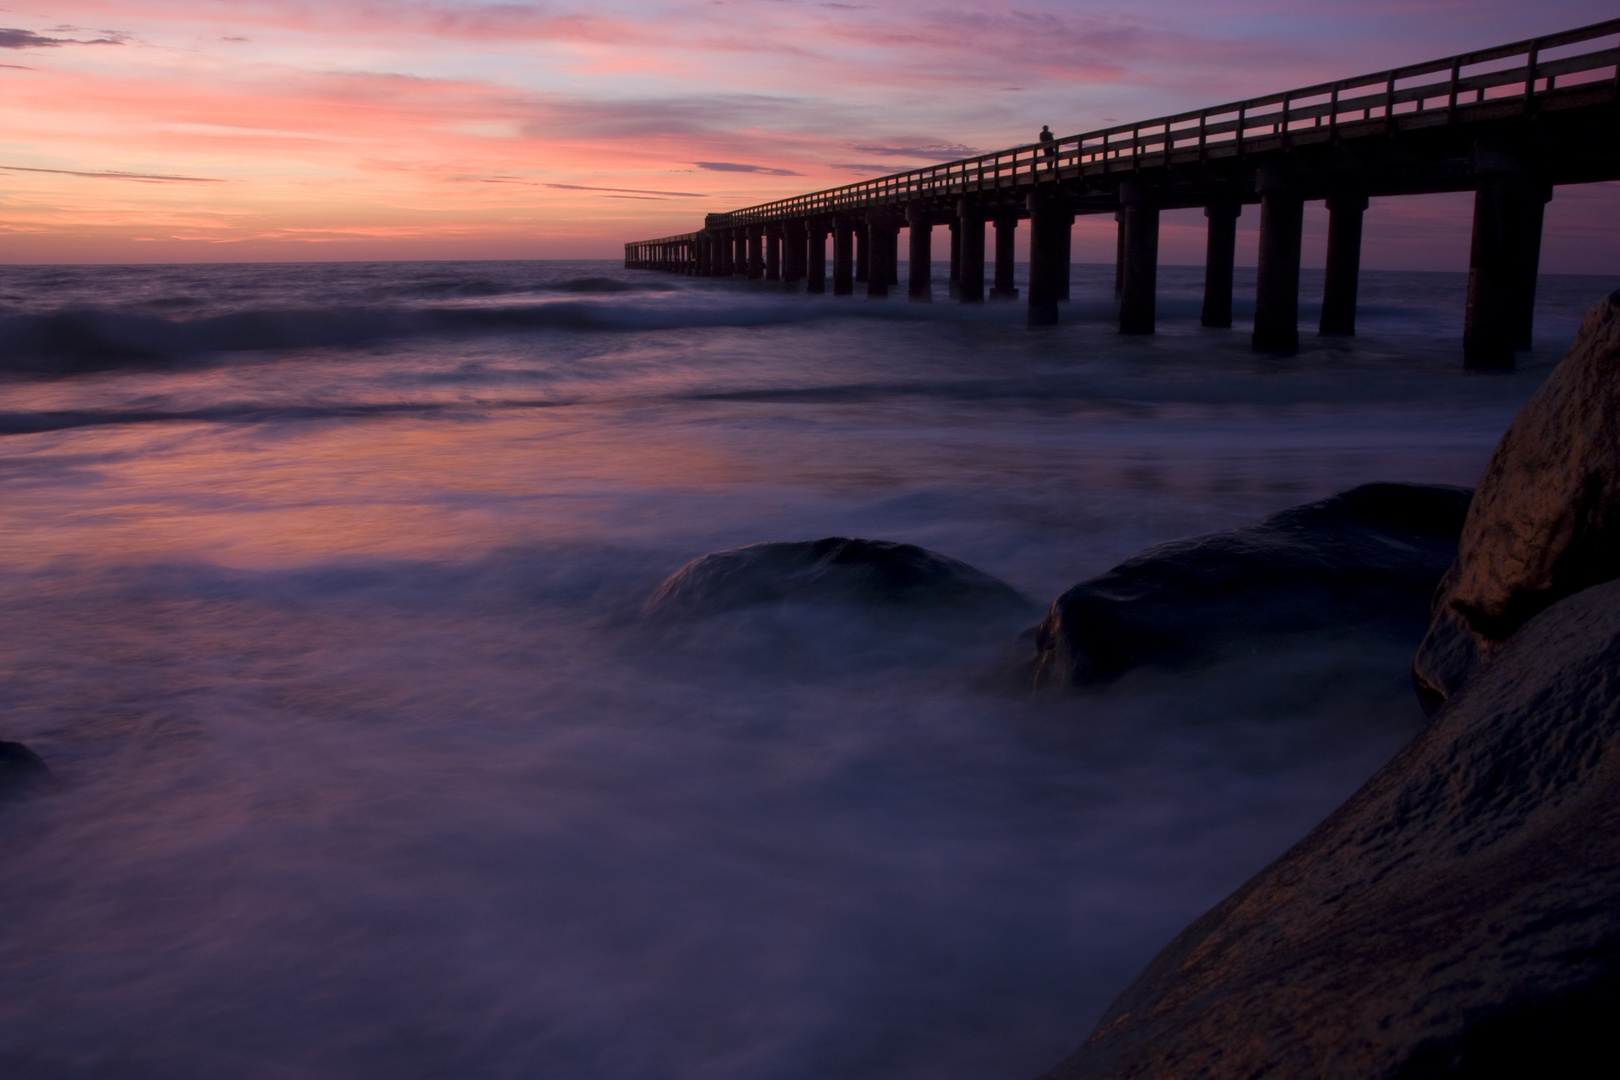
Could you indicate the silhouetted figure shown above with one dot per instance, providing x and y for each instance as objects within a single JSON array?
[{"x": 1048, "y": 141}]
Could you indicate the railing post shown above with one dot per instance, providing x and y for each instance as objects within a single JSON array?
[
  {"x": 1276, "y": 300},
  {"x": 1530, "y": 77},
  {"x": 1220, "y": 250}
]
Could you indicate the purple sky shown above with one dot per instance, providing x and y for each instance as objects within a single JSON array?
[{"x": 296, "y": 129}]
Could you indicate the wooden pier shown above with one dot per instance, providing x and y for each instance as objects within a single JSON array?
[{"x": 1508, "y": 123}]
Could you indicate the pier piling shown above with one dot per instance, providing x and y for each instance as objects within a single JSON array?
[
  {"x": 954, "y": 281},
  {"x": 843, "y": 257},
  {"x": 1219, "y": 253},
  {"x": 1049, "y": 219},
  {"x": 1138, "y": 297},
  {"x": 970, "y": 226},
  {"x": 1532, "y": 114},
  {"x": 1276, "y": 297},
  {"x": 815, "y": 265},
  {"x": 1006, "y": 234},
  {"x": 1343, "y": 263},
  {"x": 920, "y": 268}
]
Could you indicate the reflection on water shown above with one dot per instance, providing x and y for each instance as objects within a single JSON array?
[{"x": 370, "y": 770}]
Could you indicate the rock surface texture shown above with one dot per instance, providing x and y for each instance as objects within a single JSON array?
[
  {"x": 1457, "y": 917},
  {"x": 1545, "y": 521},
  {"x": 836, "y": 570},
  {"x": 20, "y": 769},
  {"x": 1365, "y": 560}
]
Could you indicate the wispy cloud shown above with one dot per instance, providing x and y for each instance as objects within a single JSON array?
[
  {"x": 146, "y": 177},
  {"x": 13, "y": 38},
  {"x": 732, "y": 166},
  {"x": 627, "y": 191},
  {"x": 931, "y": 151}
]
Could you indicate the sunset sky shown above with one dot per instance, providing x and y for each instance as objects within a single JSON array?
[{"x": 227, "y": 130}]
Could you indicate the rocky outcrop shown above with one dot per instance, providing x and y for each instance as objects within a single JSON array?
[
  {"x": 1545, "y": 521},
  {"x": 20, "y": 769},
  {"x": 1363, "y": 561},
  {"x": 876, "y": 574},
  {"x": 1457, "y": 917}
]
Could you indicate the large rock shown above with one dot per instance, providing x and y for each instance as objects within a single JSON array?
[
  {"x": 20, "y": 769},
  {"x": 837, "y": 570},
  {"x": 1363, "y": 561},
  {"x": 1545, "y": 522},
  {"x": 1459, "y": 916}
]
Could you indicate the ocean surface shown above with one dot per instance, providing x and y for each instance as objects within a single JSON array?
[{"x": 320, "y": 590}]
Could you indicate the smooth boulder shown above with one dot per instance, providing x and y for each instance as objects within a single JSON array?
[
  {"x": 1362, "y": 561},
  {"x": 1459, "y": 916},
  {"x": 873, "y": 574},
  {"x": 1545, "y": 521}
]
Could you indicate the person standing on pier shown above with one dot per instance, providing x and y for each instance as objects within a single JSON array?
[{"x": 1048, "y": 142}]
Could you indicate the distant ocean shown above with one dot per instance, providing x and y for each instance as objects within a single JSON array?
[{"x": 319, "y": 591}]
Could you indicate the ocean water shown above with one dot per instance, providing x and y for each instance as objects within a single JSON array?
[{"x": 320, "y": 589}]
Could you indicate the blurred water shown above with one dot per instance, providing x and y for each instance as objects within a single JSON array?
[{"x": 321, "y": 584}]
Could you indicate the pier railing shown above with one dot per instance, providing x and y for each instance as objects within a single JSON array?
[{"x": 1507, "y": 80}]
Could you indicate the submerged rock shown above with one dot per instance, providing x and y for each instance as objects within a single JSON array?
[
  {"x": 1459, "y": 916},
  {"x": 1364, "y": 560},
  {"x": 20, "y": 769},
  {"x": 1545, "y": 522},
  {"x": 836, "y": 570}
]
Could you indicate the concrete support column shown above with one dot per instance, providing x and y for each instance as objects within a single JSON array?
[
  {"x": 1509, "y": 205},
  {"x": 1343, "y": 263},
  {"x": 739, "y": 252},
  {"x": 815, "y": 263},
  {"x": 920, "y": 283},
  {"x": 1049, "y": 219},
  {"x": 883, "y": 240},
  {"x": 1219, "y": 252},
  {"x": 1006, "y": 232},
  {"x": 756, "y": 253},
  {"x": 1139, "y": 281},
  {"x": 793, "y": 245},
  {"x": 1119, "y": 254},
  {"x": 954, "y": 281},
  {"x": 970, "y": 227},
  {"x": 843, "y": 257},
  {"x": 1066, "y": 238},
  {"x": 773, "y": 253},
  {"x": 863, "y": 251},
  {"x": 1276, "y": 297}
]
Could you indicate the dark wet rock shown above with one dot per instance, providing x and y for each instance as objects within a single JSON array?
[
  {"x": 20, "y": 769},
  {"x": 1363, "y": 561},
  {"x": 837, "y": 570},
  {"x": 1459, "y": 916},
  {"x": 1545, "y": 522}
]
